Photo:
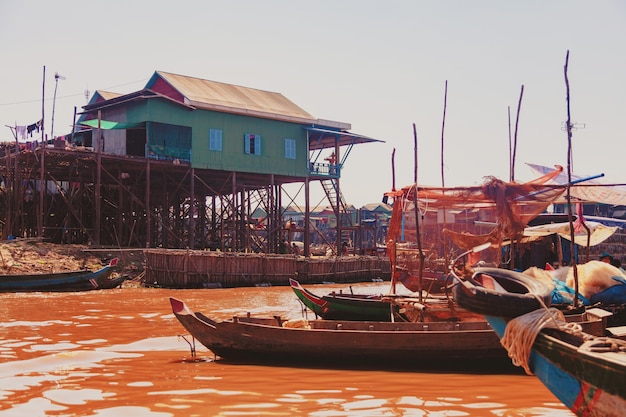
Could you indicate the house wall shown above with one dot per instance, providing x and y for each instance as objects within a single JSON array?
[
  {"x": 272, "y": 159},
  {"x": 114, "y": 139}
]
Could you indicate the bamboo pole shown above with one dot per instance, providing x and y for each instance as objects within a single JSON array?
[
  {"x": 513, "y": 157},
  {"x": 569, "y": 184},
  {"x": 508, "y": 109},
  {"x": 192, "y": 209},
  {"x": 416, "y": 209},
  {"x": 43, "y": 156},
  {"x": 393, "y": 170},
  {"x": 98, "y": 184},
  {"x": 443, "y": 183},
  {"x": 519, "y": 106},
  {"x": 394, "y": 260}
]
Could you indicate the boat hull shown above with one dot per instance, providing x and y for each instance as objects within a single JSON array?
[
  {"x": 360, "y": 307},
  {"x": 343, "y": 343},
  {"x": 344, "y": 307},
  {"x": 587, "y": 383},
  {"x": 82, "y": 280},
  {"x": 585, "y": 372}
]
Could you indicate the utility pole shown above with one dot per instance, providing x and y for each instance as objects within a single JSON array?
[{"x": 57, "y": 77}]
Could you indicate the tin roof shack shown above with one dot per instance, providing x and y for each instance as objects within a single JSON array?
[{"x": 184, "y": 162}]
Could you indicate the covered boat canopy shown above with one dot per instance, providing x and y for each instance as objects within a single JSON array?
[
  {"x": 598, "y": 232},
  {"x": 591, "y": 191}
]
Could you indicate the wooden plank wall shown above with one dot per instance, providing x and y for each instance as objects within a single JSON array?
[{"x": 203, "y": 269}]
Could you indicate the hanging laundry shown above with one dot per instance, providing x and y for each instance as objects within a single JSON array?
[
  {"x": 32, "y": 128},
  {"x": 37, "y": 126},
  {"x": 20, "y": 132}
]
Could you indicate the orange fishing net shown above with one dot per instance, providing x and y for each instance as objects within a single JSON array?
[{"x": 507, "y": 204}]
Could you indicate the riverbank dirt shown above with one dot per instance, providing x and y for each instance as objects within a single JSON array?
[{"x": 25, "y": 256}]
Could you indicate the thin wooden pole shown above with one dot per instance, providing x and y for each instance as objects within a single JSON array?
[
  {"x": 73, "y": 127},
  {"x": 394, "y": 260},
  {"x": 235, "y": 208},
  {"x": 148, "y": 208},
  {"x": 519, "y": 106},
  {"x": 443, "y": 182},
  {"x": 270, "y": 218},
  {"x": 192, "y": 209},
  {"x": 443, "y": 125},
  {"x": 569, "y": 184},
  {"x": 42, "y": 174},
  {"x": 340, "y": 212},
  {"x": 416, "y": 209},
  {"x": 307, "y": 217},
  {"x": 513, "y": 246},
  {"x": 98, "y": 181},
  {"x": 510, "y": 145},
  {"x": 393, "y": 170},
  {"x": 13, "y": 196}
]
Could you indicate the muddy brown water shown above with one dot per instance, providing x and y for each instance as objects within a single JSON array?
[{"x": 120, "y": 353}]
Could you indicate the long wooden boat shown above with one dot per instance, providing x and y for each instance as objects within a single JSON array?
[
  {"x": 339, "y": 306},
  {"x": 339, "y": 343},
  {"x": 587, "y": 373},
  {"x": 81, "y": 280},
  {"x": 380, "y": 307}
]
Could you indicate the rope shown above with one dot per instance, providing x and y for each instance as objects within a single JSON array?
[
  {"x": 521, "y": 332},
  {"x": 603, "y": 344}
]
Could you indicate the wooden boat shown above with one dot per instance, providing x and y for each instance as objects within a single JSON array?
[
  {"x": 379, "y": 307},
  {"x": 371, "y": 344},
  {"x": 81, "y": 280},
  {"x": 339, "y": 306},
  {"x": 585, "y": 372},
  {"x": 432, "y": 281}
]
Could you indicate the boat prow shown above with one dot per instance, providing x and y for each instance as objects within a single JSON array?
[{"x": 179, "y": 307}]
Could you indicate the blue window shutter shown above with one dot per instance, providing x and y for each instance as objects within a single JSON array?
[
  {"x": 290, "y": 148},
  {"x": 246, "y": 143},
  {"x": 252, "y": 144},
  {"x": 215, "y": 139}
]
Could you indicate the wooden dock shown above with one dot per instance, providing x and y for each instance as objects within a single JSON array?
[{"x": 176, "y": 268}]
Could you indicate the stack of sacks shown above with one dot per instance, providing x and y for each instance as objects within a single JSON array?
[{"x": 598, "y": 282}]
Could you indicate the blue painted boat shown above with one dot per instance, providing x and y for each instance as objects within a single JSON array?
[
  {"x": 81, "y": 280},
  {"x": 586, "y": 373}
]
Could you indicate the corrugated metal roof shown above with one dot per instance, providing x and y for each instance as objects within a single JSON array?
[
  {"x": 213, "y": 95},
  {"x": 227, "y": 98},
  {"x": 108, "y": 95},
  {"x": 378, "y": 207},
  {"x": 321, "y": 138}
]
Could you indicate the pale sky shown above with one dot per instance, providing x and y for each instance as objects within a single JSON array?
[{"x": 379, "y": 65}]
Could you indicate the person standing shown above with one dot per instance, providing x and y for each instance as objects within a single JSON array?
[{"x": 606, "y": 257}]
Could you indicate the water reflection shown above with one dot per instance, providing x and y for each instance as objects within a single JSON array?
[{"x": 121, "y": 353}]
